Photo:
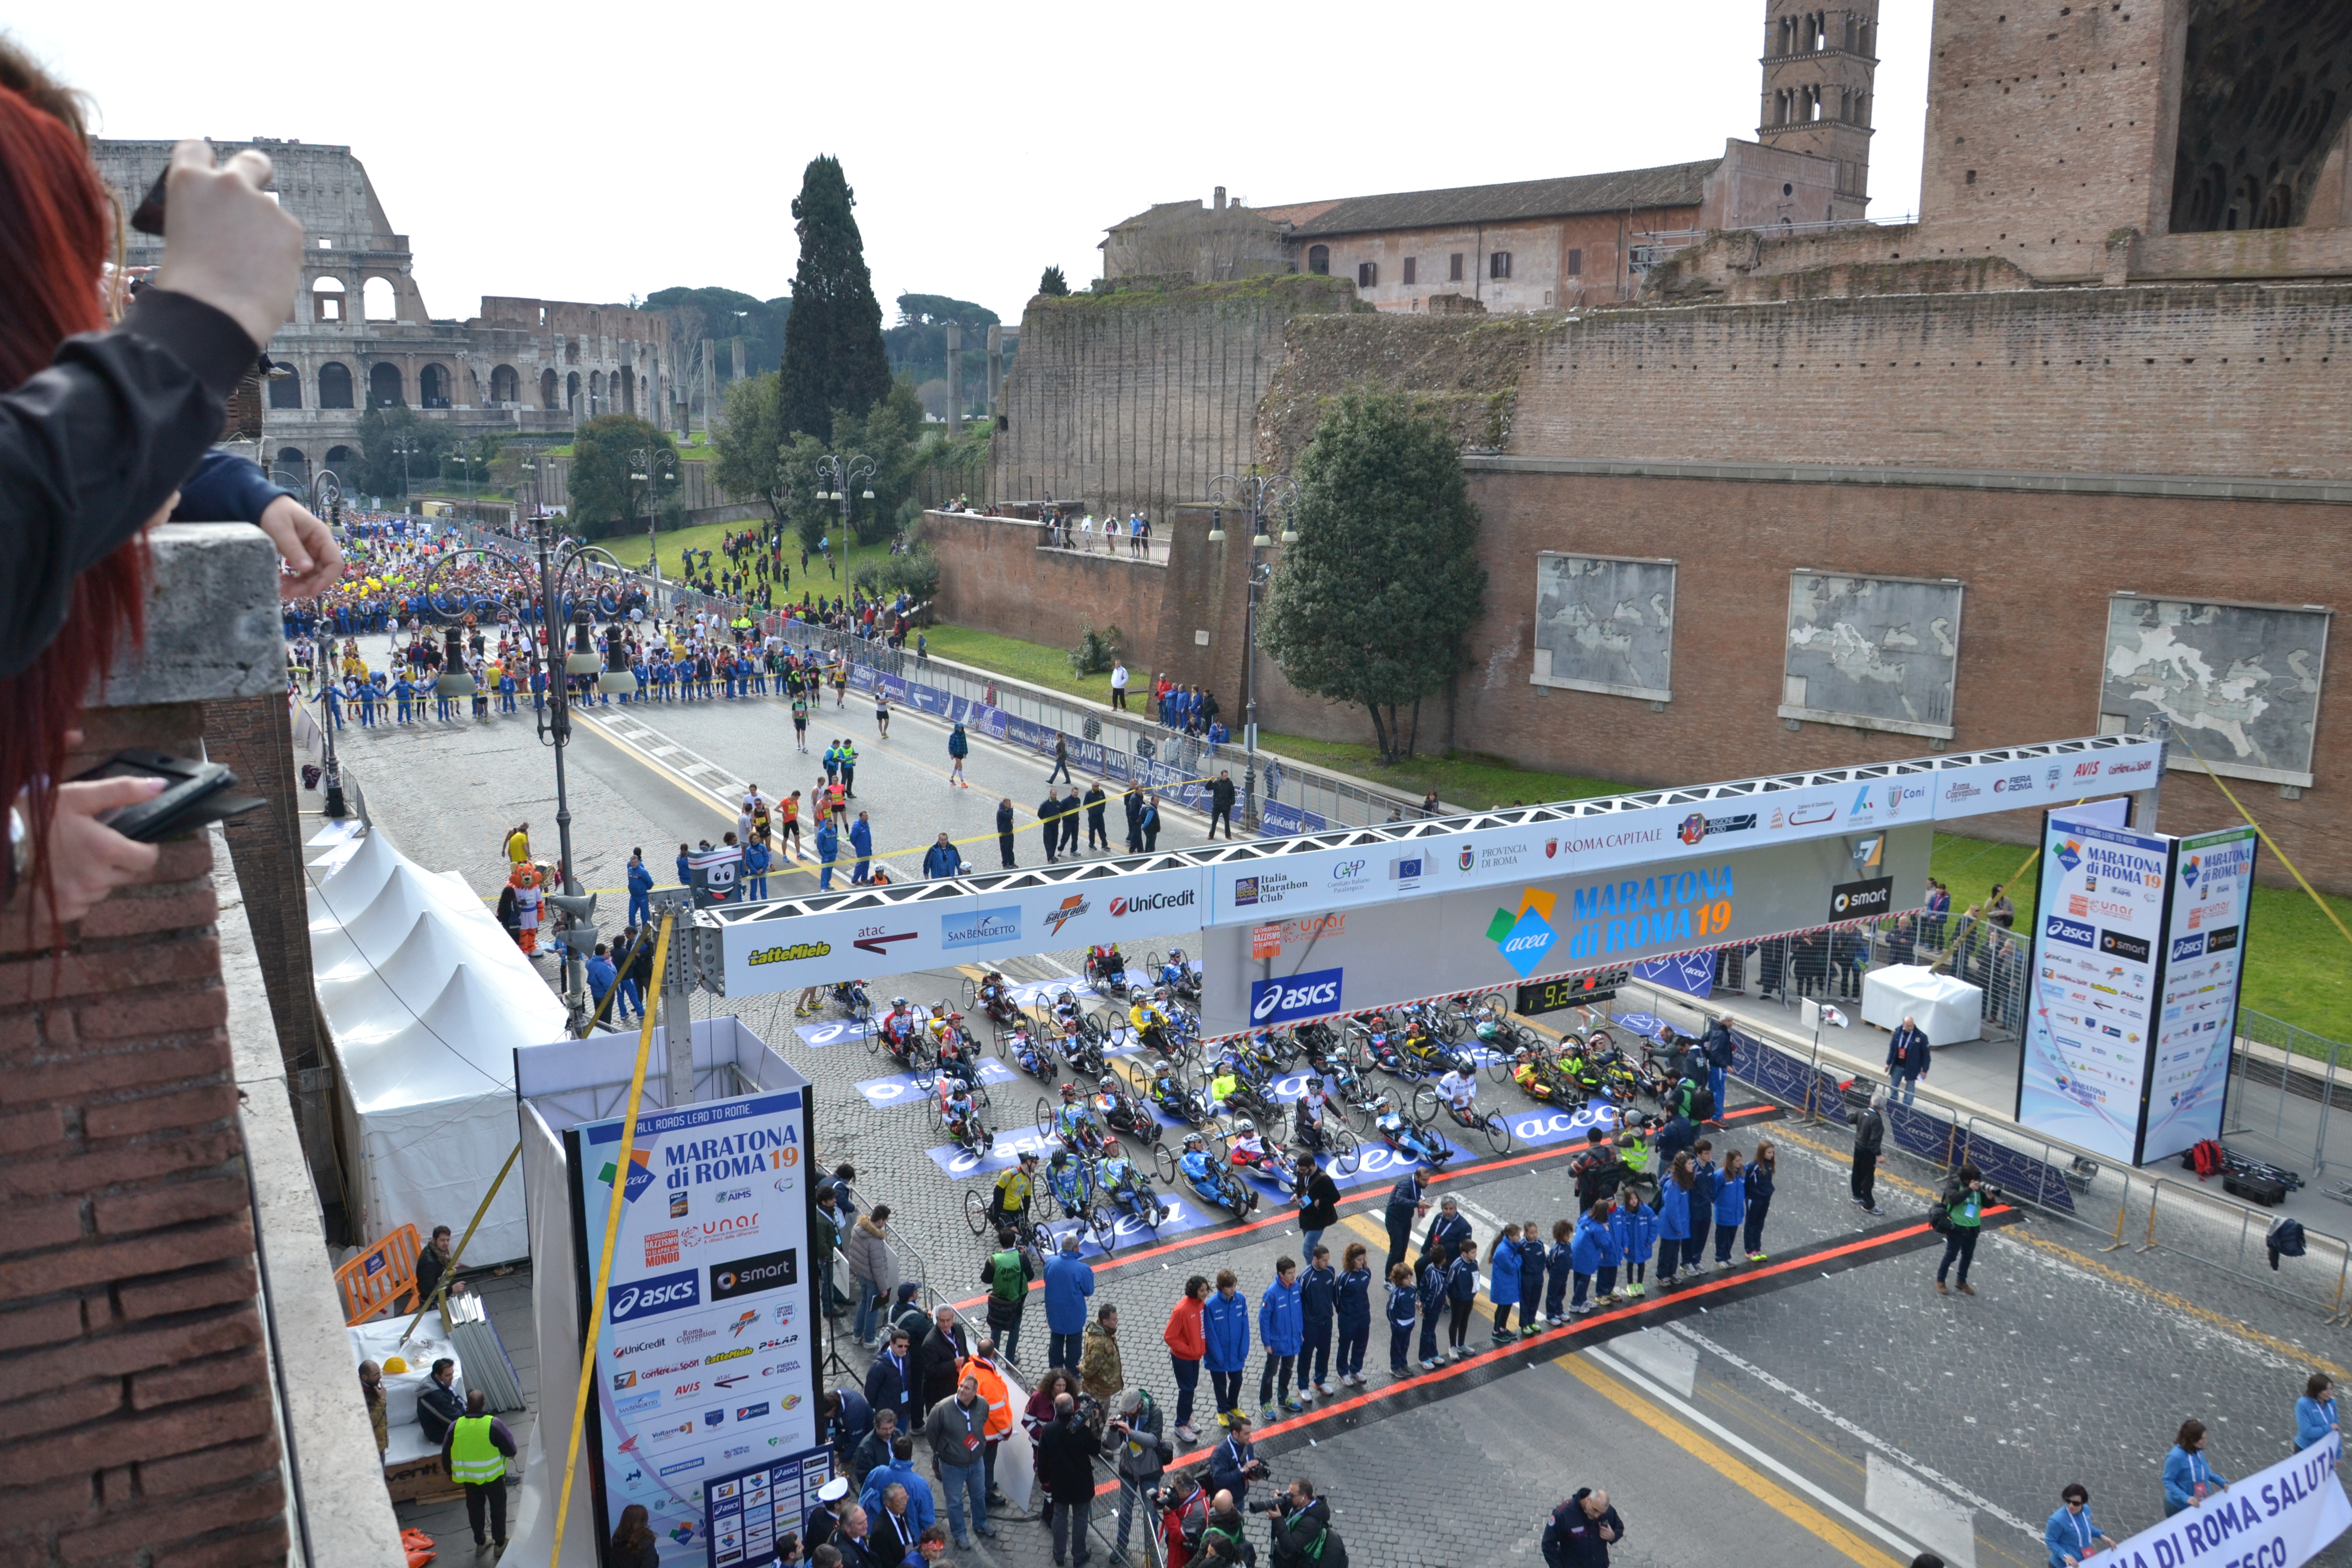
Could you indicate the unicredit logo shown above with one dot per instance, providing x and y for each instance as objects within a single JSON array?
[{"x": 1144, "y": 903}]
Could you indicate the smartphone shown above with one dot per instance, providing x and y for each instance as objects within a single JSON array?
[
  {"x": 195, "y": 794},
  {"x": 147, "y": 218}
]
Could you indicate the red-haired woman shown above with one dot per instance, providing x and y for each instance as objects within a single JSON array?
[{"x": 98, "y": 428}]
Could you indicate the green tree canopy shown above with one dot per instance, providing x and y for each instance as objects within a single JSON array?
[
  {"x": 605, "y": 499},
  {"x": 834, "y": 357},
  {"x": 750, "y": 444},
  {"x": 395, "y": 442},
  {"x": 726, "y": 314},
  {"x": 1371, "y": 605},
  {"x": 1053, "y": 282}
]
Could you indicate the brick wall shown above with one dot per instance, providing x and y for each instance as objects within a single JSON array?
[
  {"x": 253, "y": 737},
  {"x": 135, "y": 1417},
  {"x": 2064, "y": 116}
]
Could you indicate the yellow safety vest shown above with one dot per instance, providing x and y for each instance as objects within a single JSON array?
[{"x": 473, "y": 1459}]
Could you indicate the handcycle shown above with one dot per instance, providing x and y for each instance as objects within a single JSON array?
[
  {"x": 1084, "y": 1136},
  {"x": 992, "y": 998},
  {"x": 1121, "y": 1110},
  {"x": 974, "y": 1134},
  {"x": 1492, "y": 1125},
  {"x": 1084, "y": 1200},
  {"x": 1206, "y": 1175},
  {"x": 1413, "y": 1137},
  {"x": 1034, "y": 1234},
  {"x": 1026, "y": 1045}
]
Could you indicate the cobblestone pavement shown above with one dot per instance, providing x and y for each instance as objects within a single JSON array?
[{"x": 1818, "y": 1415}]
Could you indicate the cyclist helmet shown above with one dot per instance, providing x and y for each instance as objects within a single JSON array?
[
  {"x": 1175, "y": 956},
  {"x": 1160, "y": 993},
  {"x": 1384, "y": 1105},
  {"x": 1068, "y": 1089},
  {"x": 1194, "y": 1143},
  {"x": 897, "y": 1001},
  {"x": 1244, "y": 1127},
  {"x": 1061, "y": 1158},
  {"x": 1316, "y": 1081}
]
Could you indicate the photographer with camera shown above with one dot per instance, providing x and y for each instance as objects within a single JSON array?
[
  {"x": 1065, "y": 1467},
  {"x": 1141, "y": 1455},
  {"x": 1234, "y": 1464},
  {"x": 1303, "y": 1536},
  {"x": 1962, "y": 1207},
  {"x": 1183, "y": 1510}
]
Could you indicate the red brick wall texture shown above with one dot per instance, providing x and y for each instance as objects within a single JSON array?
[{"x": 135, "y": 1416}]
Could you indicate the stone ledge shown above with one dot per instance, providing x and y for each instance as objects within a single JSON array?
[
  {"x": 213, "y": 624},
  {"x": 2191, "y": 486}
]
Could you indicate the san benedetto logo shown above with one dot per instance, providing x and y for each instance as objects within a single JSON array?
[{"x": 785, "y": 955}]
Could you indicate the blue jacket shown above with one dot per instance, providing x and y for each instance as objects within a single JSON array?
[
  {"x": 1634, "y": 1227},
  {"x": 900, "y": 1472},
  {"x": 1706, "y": 1181},
  {"x": 1562, "y": 1262},
  {"x": 1531, "y": 1270},
  {"x": 855, "y": 1419},
  {"x": 1759, "y": 1183},
  {"x": 1906, "y": 1052},
  {"x": 1406, "y": 1194},
  {"x": 2182, "y": 1471},
  {"x": 1593, "y": 1249},
  {"x": 2068, "y": 1535},
  {"x": 1461, "y": 1280},
  {"x": 1446, "y": 1235},
  {"x": 1731, "y": 1199},
  {"x": 1431, "y": 1282},
  {"x": 225, "y": 488},
  {"x": 1674, "y": 1211},
  {"x": 1318, "y": 1292},
  {"x": 957, "y": 746},
  {"x": 1281, "y": 1321},
  {"x": 828, "y": 841},
  {"x": 1677, "y": 1135},
  {"x": 1226, "y": 1331},
  {"x": 640, "y": 880},
  {"x": 1503, "y": 1276},
  {"x": 2314, "y": 1420},
  {"x": 601, "y": 975},
  {"x": 941, "y": 860},
  {"x": 1353, "y": 1299},
  {"x": 861, "y": 838},
  {"x": 1068, "y": 1283},
  {"x": 1404, "y": 1301}
]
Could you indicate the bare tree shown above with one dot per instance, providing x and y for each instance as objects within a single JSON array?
[{"x": 686, "y": 324}]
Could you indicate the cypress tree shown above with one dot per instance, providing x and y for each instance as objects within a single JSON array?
[{"x": 834, "y": 357}]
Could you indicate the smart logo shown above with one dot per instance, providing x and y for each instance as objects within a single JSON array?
[
  {"x": 2061, "y": 928},
  {"x": 2069, "y": 853},
  {"x": 1279, "y": 1001},
  {"x": 1524, "y": 937},
  {"x": 646, "y": 1297},
  {"x": 641, "y": 1174}
]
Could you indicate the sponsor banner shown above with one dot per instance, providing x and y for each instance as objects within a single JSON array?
[
  {"x": 707, "y": 1344},
  {"x": 2281, "y": 1517},
  {"x": 1693, "y": 974},
  {"x": 2212, "y": 893},
  {"x": 2099, "y": 924},
  {"x": 788, "y": 951},
  {"x": 899, "y": 1088},
  {"x": 1977, "y": 789},
  {"x": 750, "y": 1509},
  {"x": 1484, "y": 938}
]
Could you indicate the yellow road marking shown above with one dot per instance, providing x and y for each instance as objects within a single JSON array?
[{"x": 1722, "y": 1461}]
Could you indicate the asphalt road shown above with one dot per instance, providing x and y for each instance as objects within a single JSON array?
[{"x": 1823, "y": 1406}]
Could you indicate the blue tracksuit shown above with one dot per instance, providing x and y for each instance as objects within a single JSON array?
[
  {"x": 641, "y": 884},
  {"x": 828, "y": 850},
  {"x": 1503, "y": 1276},
  {"x": 1226, "y": 1331},
  {"x": 1635, "y": 1226},
  {"x": 1319, "y": 1291},
  {"x": 1531, "y": 1275},
  {"x": 1352, "y": 1305},
  {"x": 1673, "y": 1224},
  {"x": 1433, "y": 1303},
  {"x": 861, "y": 839},
  {"x": 1730, "y": 1208},
  {"x": 1402, "y": 1302},
  {"x": 1561, "y": 1263}
]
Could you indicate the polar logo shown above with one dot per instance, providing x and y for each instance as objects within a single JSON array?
[
  {"x": 2061, "y": 928},
  {"x": 1299, "y": 996},
  {"x": 663, "y": 1293}
]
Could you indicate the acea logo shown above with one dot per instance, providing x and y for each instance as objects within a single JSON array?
[
  {"x": 1307, "y": 995},
  {"x": 2069, "y": 853},
  {"x": 641, "y": 1175},
  {"x": 2190, "y": 870},
  {"x": 1524, "y": 937}
]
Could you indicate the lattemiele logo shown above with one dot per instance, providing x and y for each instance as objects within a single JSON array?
[
  {"x": 1524, "y": 937},
  {"x": 1070, "y": 909},
  {"x": 786, "y": 955}
]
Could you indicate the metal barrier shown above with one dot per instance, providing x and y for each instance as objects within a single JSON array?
[
  {"x": 1831, "y": 965},
  {"x": 2270, "y": 1096}
]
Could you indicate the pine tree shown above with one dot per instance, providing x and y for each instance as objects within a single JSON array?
[
  {"x": 834, "y": 357},
  {"x": 1053, "y": 282}
]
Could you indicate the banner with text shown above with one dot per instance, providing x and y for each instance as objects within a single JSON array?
[
  {"x": 2205, "y": 941},
  {"x": 2279, "y": 1517}
]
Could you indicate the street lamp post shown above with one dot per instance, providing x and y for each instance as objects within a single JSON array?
[
  {"x": 651, "y": 466},
  {"x": 564, "y": 569},
  {"x": 844, "y": 473},
  {"x": 1260, "y": 495}
]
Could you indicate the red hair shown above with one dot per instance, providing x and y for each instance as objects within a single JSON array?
[{"x": 54, "y": 219}]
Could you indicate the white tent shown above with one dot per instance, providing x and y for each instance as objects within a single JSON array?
[{"x": 426, "y": 999}]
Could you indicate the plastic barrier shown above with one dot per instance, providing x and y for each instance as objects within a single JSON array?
[{"x": 377, "y": 1278}]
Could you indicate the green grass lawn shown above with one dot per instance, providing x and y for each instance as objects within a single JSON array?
[
  {"x": 630, "y": 549},
  {"x": 2298, "y": 966}
]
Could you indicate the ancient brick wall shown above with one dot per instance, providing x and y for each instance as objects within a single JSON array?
[
  {"x": 253, "y": 736},
  {"x": 1140, "y": 398},
  {"x": 2051, "y": 126},
  {"x": 138, "y": 1424}
]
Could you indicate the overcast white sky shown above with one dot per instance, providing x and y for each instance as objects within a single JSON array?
[{"x": 593, "y": 152}]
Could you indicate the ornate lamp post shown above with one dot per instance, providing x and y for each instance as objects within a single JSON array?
[
  {"x": 1260, "y": 495},
  {"x": 653, "y": 468},
  {"x": 560, "y": 574},
  {"x": 854, "y": 471}
]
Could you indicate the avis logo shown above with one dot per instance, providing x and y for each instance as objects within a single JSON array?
[
  {"x": 1071, "y": 909},
  {"x": 641, "y": 1174},
  {"x": 1524, "y": 937},
  {"x": 1279, "y": 1001}
]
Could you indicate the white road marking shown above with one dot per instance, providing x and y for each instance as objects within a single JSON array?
[
  {"x": 1673, "y": 1361},
  {"x": 1910, "y": 1504}
]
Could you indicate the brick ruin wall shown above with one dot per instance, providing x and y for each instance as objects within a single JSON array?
[{"x": 2228, "y": 380}]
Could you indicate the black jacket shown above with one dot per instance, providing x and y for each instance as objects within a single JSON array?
[
  {"x": 1095, "y": 800},
  {"x": 1004, "y": 819},
  {"x": 437, "y": 1408},
  {"x": 887, "y": 1389},
  {"x": 1870, "y": 1132},
  {"x": 1221, "y": 798},
  {"x": 1225, "y": 1467},
  {"x": 1066, "y": 1461},
  {"x": 1572, "y": 1541},
  {"x": 1297, "y": 1533},
  {"x": 92, "y": 447},
  {"x": 1322, "y": 1210},
  {"x": 940, "y": 1355}
]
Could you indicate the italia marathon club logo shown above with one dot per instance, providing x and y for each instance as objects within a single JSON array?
[{"x": 1525, "y": 935}]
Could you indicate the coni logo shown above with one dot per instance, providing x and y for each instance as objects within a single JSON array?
[{"x": 1524, "y": 937}]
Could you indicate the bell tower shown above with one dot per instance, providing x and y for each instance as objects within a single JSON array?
[{"x": 1819, "y": 62}]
